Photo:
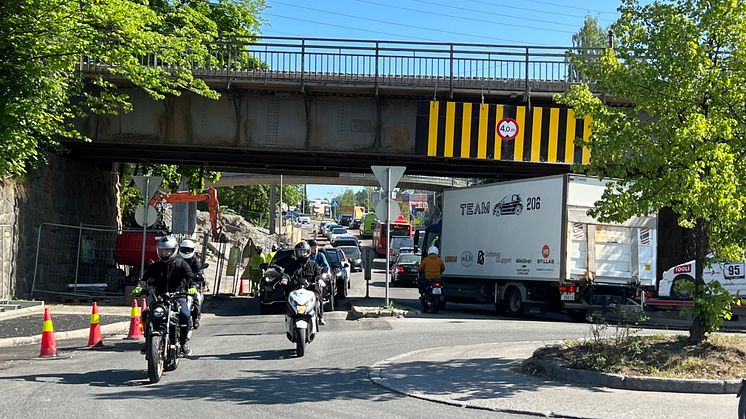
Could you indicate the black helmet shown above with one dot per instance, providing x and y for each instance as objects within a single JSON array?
[
  {"x": 312, "y": 242},
  {"x": 302, "y": 251}
]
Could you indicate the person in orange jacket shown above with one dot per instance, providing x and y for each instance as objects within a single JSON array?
[{"x": 430, "y": 269}]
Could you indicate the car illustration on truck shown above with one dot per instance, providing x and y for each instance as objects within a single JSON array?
[{"x": 510, "y": 204}]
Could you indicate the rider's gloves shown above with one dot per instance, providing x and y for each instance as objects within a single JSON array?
[
  {"x": 321, "y": 283},
  {"x": 192, "y": 291},
  {"x": 136, "y": 291}
]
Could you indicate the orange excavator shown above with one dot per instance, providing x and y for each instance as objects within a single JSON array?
[{"x": 213, "y": 206}]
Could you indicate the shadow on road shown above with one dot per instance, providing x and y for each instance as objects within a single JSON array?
[
  {"x": 265, "y": 355},
  {"x": 104, "y": 378}
]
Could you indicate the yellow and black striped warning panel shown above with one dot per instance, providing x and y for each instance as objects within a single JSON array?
[{"x": 500, "y": 132}]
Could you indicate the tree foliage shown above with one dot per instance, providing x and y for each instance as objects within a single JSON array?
[
  {"x": 43, "y": 40},
  {"x": 590, "y": 35},
  {"x": 682, "y": 144},
  {"x": 252, "y": 201}
]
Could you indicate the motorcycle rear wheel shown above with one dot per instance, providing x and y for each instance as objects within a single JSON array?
[
  {"x": 435, "y": 304},
  {"x": 742, "y": 407},
  {"x": 155, "y": 359},
  {"x": 300, "y": 342}
]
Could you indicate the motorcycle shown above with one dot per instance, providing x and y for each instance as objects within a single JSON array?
[
  {"x": 272, "y": 290},
  {"x": 195, "y": 302},
  {"x": 162, "y": 337},
  {"x": 433, "y": 297},
  {"x": 301, "y": 316}
]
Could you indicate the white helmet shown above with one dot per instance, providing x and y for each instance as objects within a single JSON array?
[
  {"x": 432, "y": 251},
  {"x": 186, "y": 249},
  {"x": 167, "y": 248}
]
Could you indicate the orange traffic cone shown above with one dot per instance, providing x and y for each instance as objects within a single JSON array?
[
  {"x": 94, "y": 337},
  {"x": 135, "y": 322},
  {"x": 48, "y": 343}
]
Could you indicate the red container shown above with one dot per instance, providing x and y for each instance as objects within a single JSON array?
[{"x": 128, "y": 248}]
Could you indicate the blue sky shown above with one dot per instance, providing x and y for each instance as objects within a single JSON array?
[{"x": 511, "y": 22}]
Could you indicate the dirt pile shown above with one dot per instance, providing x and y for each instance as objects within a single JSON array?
[{"x": 236, "y": 229}]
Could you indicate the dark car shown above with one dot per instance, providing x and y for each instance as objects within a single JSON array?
[
  {"x": 322, "y": 224},
  {"x": 354, "y": 224},
  {"x": 353, "y": 254},
  {"x": 341, "y": 282},
  {"x": 404, "y": 269},
  {"x": 346, "y": 241},
  {"x": 269, "y": 294},
  {"x": 345, "y": 220},
  {"x": 510, "y": 204}
]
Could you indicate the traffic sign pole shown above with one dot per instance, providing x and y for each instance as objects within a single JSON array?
[
  {"x": 144, "y": 227},
  {"x": 388, "y": 232}
]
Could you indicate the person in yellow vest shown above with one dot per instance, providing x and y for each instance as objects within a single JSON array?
[
  {"x": 255, "y": 269},
  {"x": 271, "y": 255}
]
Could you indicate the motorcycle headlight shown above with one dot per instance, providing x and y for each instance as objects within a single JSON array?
[
  {"x": 300, "y": 309},
  {"x": 159, "y": 312},
  {"x": 267, "y": 279},
  {"x": 339, "y": 274},
  {"x": 358, "y": 261}
]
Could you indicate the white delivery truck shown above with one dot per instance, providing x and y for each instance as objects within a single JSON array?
[{"x": 529, "y": 246}]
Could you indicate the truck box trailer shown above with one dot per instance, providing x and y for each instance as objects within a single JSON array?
[{"x": 529, "y": 246}]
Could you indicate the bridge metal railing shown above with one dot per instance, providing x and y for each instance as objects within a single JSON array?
[{"x": 440, "y": 66}]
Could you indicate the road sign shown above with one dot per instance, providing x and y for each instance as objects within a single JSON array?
[
  {"x": 381, "y": 211},
  {"x": 147, "y": 189},
  {"x": 396, "y": 173},
  {"x": 140, "y": 215},
  {"x": 507, "y": 128}
]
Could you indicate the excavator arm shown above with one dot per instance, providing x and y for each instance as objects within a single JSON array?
[{"x": 211, "y": 197}]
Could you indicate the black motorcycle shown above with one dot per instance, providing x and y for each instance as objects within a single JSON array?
[
  {"x": 433, "y": 298},
  {"x": 272, "y": 291},
  {"x": 162, "y": 336},
  {"x": 195, "y": 301}
]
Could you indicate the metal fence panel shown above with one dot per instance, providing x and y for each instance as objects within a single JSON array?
[
  {"x": 6, "y": 261},
  {"x": 76, "y": 260}
]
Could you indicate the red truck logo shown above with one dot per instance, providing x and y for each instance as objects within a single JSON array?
[{"x": 682, "y": 269}]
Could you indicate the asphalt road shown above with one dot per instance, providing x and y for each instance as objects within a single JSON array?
[{"x": 243, "y": 365}]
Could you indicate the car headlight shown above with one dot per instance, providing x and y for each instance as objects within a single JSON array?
[{"x": 159, "y": 312}]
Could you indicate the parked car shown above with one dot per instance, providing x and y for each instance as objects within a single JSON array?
[
  {"x": 340, "y": 270},
  {"x": 304, "y": 219},
  {"x": 346, "y": 240},
  {"x": 355, "y": 257},
  {"x": 337, "y": 232},
  {"x": 404, "y": 269},
  {"x": 345, "y": 220},
  {"x": 354, "y": 224}
]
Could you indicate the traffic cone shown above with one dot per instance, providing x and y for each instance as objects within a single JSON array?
[
  {"x": 48, "y": 343},
  {"x": 135, "y": 322},
  {"x": 94, "y": 337}
]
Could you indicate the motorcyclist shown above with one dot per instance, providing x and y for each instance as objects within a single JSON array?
[
  {"x": 171, "y": 274},
  {"x": 302, "y": 266},
  {"x": 186, "y": 251},
  {"x": 271, "y": 255},
  {"x": 430, "y": 269},
  {"x": 317, "y": 256}
]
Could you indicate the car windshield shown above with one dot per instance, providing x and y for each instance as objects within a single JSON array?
[
  {"x": 408, "y": 258},
  {"x": 345, "y": 242},
  {"x": 332, "y": 256},
  {"x": 402, "y": 242},
  {"x": 352, "y": 252},
  {"x": 339, "y": 231}
]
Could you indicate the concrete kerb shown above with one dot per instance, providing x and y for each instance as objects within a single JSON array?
[
  {"x": 109, "y": 329},
  {"x": 12, "y": 314},
  {"x": 358, "y": 312},
  {"x": 376, "y": 377},
  {"x": 537, "y": 366}
]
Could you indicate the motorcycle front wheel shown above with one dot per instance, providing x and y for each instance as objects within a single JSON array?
[
  {"x": 300, "y": 342},
  {"x": 155, "y": 359}
]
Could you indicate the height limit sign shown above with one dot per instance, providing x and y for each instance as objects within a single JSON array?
[{"x": 507, "y": 128}]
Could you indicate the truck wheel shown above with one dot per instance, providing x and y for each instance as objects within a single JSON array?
[
  {"x": 680, "y": 295},
  {"x": 513, "y": 302},
  {"x": 578, "y": 316}
]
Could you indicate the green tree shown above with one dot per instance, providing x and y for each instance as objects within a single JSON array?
[
  {"x": 363, "y": 198},
  {"x": 683, "y": 144},
  {"x": 592, "y": 36},
  {"x": 347, "y": 198},
  {"x": 43, "y": 41}
]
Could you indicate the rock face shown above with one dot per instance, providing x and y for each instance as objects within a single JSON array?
[{"x": 64, "y": 192}]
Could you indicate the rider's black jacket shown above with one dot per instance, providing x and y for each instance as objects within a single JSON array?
[
  {"x": 173, "y": 276},
  {"x": 196, "y": 266},
  {"x": 307, "y": 269}
]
